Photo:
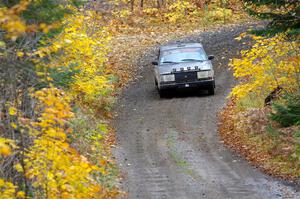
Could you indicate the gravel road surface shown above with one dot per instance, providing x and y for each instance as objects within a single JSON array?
[{"x": 170, "y": 148}]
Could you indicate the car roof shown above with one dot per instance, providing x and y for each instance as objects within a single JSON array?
[{"x": 180, "y": 45}]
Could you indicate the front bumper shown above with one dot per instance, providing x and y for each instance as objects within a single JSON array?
[{"x": 195, "y": 84}]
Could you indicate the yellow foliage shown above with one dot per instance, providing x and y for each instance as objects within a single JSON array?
[
  {"x": 5, "y": 146},
  {"x": 20, "y": 194},
  {"x": 14, "y": 125},
  {"x": 123, "y": 13},
  {"x": 54, "y": 168},
  {"x": 180, "y": 10},
  {"x": 11, "y": 21},
  {"x": 7, "y": 189},
  {"x": 220, "y": 14},
  {"x": 20, "y": 54},
  {"x": 57, "y": 170},
  {"x": 83, "y": 43},
  {"x": 270, "y": 63},
  {"x": 12, "y": 111},
  {"x": 151, "y": 11},
  {"x": 5, "y": 150}
]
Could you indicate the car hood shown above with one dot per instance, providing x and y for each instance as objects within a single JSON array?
[{"x": 187, "y": 66}]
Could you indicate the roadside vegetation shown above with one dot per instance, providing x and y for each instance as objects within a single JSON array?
[
  {"x": 262, "y": 117},
  {"x": 62, "y": 63}
]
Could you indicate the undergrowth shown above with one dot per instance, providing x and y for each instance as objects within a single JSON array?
[{"x": 261, "y": 119}]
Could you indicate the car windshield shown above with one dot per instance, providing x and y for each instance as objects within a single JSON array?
[{"x": 182, "y": 55}]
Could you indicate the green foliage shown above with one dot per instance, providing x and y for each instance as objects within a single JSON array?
[
  {"x": 252, "y": 100},
  {"x": 63, "y": 76},
  {"x": 287, "y": 115},
  {"x": 297, "y": 134},
  {"x": 283, "y": 13},
  {"x": 272, "y": 131},
  {"x": 47, "y": 11},
  {"x": 295, "y": 157},
  {"x": 88, "y": 137}
]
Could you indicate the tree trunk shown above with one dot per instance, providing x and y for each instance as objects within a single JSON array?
[
  {"x": 142, "y": 4},
  {"x": 201, "y": 4},
  {"x": 158, "y": 4},
  {"x": 132, "y": 5}
]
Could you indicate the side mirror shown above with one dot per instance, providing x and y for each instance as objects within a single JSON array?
[
  {"x": 155, "y": 63},
  {"x": 211, "y": 57}
]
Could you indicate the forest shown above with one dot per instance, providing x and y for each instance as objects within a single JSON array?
[{"x": 64, "y": 63}]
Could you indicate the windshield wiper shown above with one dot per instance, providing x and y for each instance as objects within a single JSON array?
[
  {"x": 169, "y": 62},
  {"x": 192, "y": 60}
]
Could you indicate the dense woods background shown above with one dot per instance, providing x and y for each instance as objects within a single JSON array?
[{"x": 60, "y": 74}]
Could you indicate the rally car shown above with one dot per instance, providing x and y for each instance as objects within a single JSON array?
[{"x": 183, "y": 65}]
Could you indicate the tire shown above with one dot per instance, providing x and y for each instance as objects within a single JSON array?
[
  {"x": 162, "y": 93},
  {"x": 211, "y": 90}
]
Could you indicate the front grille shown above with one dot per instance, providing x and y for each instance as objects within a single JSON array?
[{"x": 184, "y": 77}]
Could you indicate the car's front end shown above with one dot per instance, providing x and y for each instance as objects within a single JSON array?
[
  {"x": 181, "y": 78},
  {"x": 184, "y": 67},
  {"x": 188, "y": 75}
]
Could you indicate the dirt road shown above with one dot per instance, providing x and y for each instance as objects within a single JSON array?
[{"x": 169, "y": 148}]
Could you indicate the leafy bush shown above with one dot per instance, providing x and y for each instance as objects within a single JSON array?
[
  {"x": 220, "y": 14},
  {"x": 180, "y": 10},
  {"x": 270, "y": 63},
  {"x": 284, "y": 15},
  {"x": 63, "y": 76},
  {"x": 287, "y": 115}
]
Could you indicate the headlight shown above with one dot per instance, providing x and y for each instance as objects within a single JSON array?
[
  {"x": 167, "y": 78},
  {"x": 205, "y": 74}
]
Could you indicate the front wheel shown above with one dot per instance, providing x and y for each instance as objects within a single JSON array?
[
  {"x": 211, "y": 90},
  {"x": 162, "y": 93}
]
